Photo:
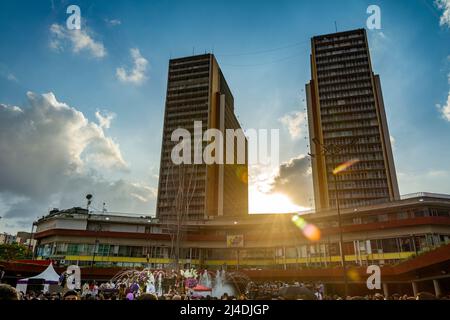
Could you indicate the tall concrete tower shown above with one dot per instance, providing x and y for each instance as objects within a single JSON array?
[
  {"x": 198, "y": 91},
  {"x": 346, "y": 113}
]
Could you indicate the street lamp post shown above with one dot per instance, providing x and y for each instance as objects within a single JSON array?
[
  {"x": 30, "y": 240},
  {"x": 332, "y": 151},
  {"x": 341, "y": 236},
  {"x": 95, "y": 251}
]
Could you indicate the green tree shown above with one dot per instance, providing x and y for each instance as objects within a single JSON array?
[{"x": 14, "y": 251}]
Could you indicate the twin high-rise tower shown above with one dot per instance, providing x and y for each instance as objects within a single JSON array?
[
  {"x": 198, "y": 91},
  {"x": 347, "y": 121},
  {"x": 346, "y": 118}
]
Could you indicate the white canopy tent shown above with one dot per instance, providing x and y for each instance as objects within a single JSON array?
[{"x": 49, "y": 276}]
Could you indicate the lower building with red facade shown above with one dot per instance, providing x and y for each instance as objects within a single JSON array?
[{"x": 409, "y": 239}]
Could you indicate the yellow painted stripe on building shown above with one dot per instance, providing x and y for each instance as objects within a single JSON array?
[
  {"x": 252, "y": 262},
  {"x": 242, "y": 262},
  {"x": 375, "y": 256},
  {"x": 127, "y": 259}
]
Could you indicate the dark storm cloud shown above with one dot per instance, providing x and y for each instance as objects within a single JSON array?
[{"x": 294, "y": 180}]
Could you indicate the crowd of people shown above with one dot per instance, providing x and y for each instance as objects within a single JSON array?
[
  {"x": 271, "y": 289},
  {"x": 261, "y": 291}
]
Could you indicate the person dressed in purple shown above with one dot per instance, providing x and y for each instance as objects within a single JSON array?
[{"x": 134, "y": 288}]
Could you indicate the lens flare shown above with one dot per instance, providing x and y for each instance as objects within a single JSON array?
[
  {"x": 312, "y": 232},
  {"x": 242, "y": 174},
  {"x": 353, "y": 275},
  {"x": 344, "y": 166},
  {"x": 309, "y": 230}
]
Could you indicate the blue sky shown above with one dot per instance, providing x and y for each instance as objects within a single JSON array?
[{"x": 263, "y": 50}]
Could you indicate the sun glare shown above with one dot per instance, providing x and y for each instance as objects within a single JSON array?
[{"x": 260, "y": 202}]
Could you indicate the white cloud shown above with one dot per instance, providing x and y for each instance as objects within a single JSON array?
[
  {"x": 445, "y": 110},
  {"x": 113, "y": 22},
  {"x": 430, "y": 180},
  {"x": 382, "y": 35},
  {"x": 52, "y": 156},
  {"x": 104, "y": 121},
  {"x": 445, "y": 6},
  {"x": 380, "y": 43},
  {"x": 294, "y": 122},
  {"x": 5, "y": 73},
  {"x": 52, "y": 132},
  {"x": 392, "y": 141},
  {"x": 137, "y": 74},
  {"x": 12, "y": 77},
  {"x": 438, "y": 173},
  {"x": 79, "y": 40}
]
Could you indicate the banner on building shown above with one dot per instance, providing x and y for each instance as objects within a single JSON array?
[{"x": 235, "y": 241}]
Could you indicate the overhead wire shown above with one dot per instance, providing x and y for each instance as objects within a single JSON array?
[
  {"x": 266, "y": 63},
  {"x": 261, "y": 51}
]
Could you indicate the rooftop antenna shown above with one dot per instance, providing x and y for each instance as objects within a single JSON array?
[
  {"x": 193, "y": 50},
  {"x": 89, "y": 201},
  {"x": 335, "y": 26}
]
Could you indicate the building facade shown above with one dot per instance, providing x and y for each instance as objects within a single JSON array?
[
  {"x": 24, "y": 238},
  {"x": 198, "y": 92},
  {"x": 347, "y": 123},
  {"x": 6, "y": 238},
  {"x": 382, "y": 234}
]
